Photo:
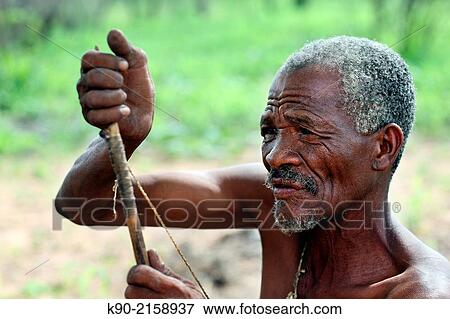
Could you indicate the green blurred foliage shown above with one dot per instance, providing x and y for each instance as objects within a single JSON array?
[
  {"x": 86, "y": 281},
  {"x": 212, "y": 62}
]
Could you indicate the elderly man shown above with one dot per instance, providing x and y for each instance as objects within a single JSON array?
[{"x": 337, "y": 118}]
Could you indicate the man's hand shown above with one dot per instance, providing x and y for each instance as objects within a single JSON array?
[
  {"x": 158, "y": 282},
  {"x": 117, "y": 88}
]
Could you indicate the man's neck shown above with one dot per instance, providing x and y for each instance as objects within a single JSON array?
[{"x": 349, "y": 255}]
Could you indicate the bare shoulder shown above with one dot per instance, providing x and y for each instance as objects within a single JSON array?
[
  {"x": 427, "y": 272},
  {"x": 427, "y": 278}
]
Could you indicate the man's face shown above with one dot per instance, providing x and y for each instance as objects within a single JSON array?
[{"x": 311, "y": 148}]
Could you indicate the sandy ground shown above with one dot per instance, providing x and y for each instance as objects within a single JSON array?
[{"x": 92, "y": 263}]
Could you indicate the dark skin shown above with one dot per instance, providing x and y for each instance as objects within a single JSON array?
[{"x": 304, "y": 127}]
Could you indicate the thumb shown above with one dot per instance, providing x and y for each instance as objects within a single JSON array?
[
  {"x": 122, "y": 48},
  {"x": 157, "y": 263}
]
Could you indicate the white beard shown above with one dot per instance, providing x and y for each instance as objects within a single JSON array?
[{"x": 290, "y": 224}]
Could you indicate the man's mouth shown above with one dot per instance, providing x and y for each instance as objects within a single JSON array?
[
  {"x": 286, "y": 182},
  {"x": 283, "y": 188}
]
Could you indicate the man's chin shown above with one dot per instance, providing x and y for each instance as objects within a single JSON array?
[{"x": 289, "y": 222}]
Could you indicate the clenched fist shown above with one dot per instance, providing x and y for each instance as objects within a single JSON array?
[
  {"x": 157, "y": 281},
  {"x": 117, "y": 88}
]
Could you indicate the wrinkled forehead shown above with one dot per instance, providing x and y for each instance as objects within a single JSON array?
[
  {"x": 311, "y": 89},
  {"x": 312, "y": 81}
]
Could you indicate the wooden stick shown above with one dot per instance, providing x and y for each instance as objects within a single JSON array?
[{"x": 125, "y": 187}]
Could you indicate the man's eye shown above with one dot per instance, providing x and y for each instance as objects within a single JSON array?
[
  {"x": 304, "y": 131},
  {"x": 268, "y": 134}
]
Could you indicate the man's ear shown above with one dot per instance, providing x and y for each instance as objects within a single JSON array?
[{"x": 389, "y": 140}]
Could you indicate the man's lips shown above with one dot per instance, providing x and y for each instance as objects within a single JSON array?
[{"x": 283, "y": 188}]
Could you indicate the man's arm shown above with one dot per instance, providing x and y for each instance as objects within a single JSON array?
[
  {"x": 118, "y": 88},
  {"x": 232, "y": 197}
]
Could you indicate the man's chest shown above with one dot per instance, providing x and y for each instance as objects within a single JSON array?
[{"x": 281, "y": 273}]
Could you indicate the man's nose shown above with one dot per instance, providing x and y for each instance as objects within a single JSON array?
[{"x": 283, "y": 153}]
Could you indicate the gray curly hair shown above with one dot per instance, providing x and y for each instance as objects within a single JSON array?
[{"x": 377, "y": 84}]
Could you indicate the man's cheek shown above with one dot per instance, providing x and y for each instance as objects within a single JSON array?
[{"x": 326, "y": 181}]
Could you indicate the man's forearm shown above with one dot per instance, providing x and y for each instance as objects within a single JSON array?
[{"x": 90, "y": 177}]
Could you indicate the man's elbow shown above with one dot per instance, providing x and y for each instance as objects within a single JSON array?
[
  {"x": 69, "y": 208},
  {"x": 88, "y": 212}
]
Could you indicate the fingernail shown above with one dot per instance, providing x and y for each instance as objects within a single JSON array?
[
  {"x": 123, "y": 65},
  {"x": 124, "y": 110}
]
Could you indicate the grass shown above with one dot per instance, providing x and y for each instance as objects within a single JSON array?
[
  {"x": 212, "y": 71},
  {"x": 92, "y": 280}
]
